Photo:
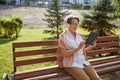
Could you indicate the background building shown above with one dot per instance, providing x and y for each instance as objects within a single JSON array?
[{"x": 45, "y": 2}]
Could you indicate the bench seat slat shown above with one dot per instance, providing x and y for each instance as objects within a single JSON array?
[
  {"x": 95, "y": 52},
  {"x": 51, "y": 77},
  {"x": 107, "y": 64},
  {"x": 66, "y": 77},
  {"x": 37, "y": 72},
  {"x": 99, "y": 71},
  {"x": 34, "y": 61},
  {"x": 34, "y": 52},
  {"x": 108, "y": 69},
  {"x": 104, "y": 60}
]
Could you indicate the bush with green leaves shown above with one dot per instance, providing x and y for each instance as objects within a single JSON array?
[
  {"x": 2, "y": 2},
  {"x": 77, "y": 6},
  {"x": 86, "y": 6},
  {"x": 11, "y": 26},
  {"x": 17, "y": 25},
  {"x": 12, "y": 2},
  {"x": 1, "y": 30}
]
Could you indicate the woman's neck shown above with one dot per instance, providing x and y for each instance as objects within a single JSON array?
[{"x": 73, "y": 33}]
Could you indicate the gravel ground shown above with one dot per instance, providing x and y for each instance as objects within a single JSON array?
[{"x": 32, "y": 17}]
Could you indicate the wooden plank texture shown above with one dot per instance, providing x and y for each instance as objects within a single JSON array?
[
  {"x": 38, "y": 72},
  {"x": 34, "y": 52},
  {"x": 105, "y": 45},
  {"x": 34, "y": 61},
  {"x": 34, "y": 43}
]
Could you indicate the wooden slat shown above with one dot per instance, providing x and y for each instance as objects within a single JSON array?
[
  {"x": 47, "y": 77},
  {"x": 95, "y": 52},
  {"x": 108, "y": 69},
  {"x": 34, "y": 61},
  {"x": 65, "y": 77},
  {"x": 37, "y": 72},
  {"x": 55, "y": 42},
  {"x": 101, "y": 65},
  {"x": 35, "y": 43},
  {"x": 107, "y": 64},
  {"x": 53, "y": 50},
  {"x": 34, "y": 52},
  {"x": 56, "y": 76},
  {"x": 107, "y": 38},
  {"x": 107, "y": 44},
  {"x": 43, "y": 72},
  {"x": 104, "y": 60}
]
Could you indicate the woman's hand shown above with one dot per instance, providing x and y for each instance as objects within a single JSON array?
[
  {"x": 94, "y": 43},
  {"x": 81, "y": 44}
]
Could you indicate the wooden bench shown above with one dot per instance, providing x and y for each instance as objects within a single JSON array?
[{"x": 26, "y": 54}]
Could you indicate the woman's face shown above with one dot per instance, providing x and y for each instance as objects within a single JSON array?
[{"x": 73, "y": 25}]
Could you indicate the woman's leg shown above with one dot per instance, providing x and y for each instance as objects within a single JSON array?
[
  {"x": 91, "y": 72},
  {"x": 77, "y": 73}
]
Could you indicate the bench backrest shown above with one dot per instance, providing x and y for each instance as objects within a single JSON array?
[{"x": 47, "y": 54}]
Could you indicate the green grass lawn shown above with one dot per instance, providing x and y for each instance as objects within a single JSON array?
[{"x": 6, "y": 59}]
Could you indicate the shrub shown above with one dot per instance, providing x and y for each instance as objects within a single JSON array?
[
  {"x": 17, "y": 25},
  {"x": 77, "y": 6},
  {"x": 2, "y": 2},
  {"x": 1, "y": 30},
  {"x": 12, "y": 2},
  {"x": 86, "y": 7},
  {"x": 11, "y": 26},
  {"x": 5, "y": 24}
]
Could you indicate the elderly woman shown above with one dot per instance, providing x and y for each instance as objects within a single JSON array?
[{"x": 71, "y": 53}]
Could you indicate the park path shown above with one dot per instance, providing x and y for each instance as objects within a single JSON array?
[{"x": 32, "y": 16}]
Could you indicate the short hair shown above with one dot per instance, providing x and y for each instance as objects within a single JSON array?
[{"x": 71, "y": 18}]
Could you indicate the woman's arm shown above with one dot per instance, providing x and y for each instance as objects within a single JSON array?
[
  {"x": 91, "y": 46},
  {"x": 71, "y": 51}
]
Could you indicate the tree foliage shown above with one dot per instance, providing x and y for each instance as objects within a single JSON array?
[
  {"x": 104, "y": 6},
  {"x": 54, "y": 17},
  {"x": 99, "y": 19},
  {"x": 116, "y": 4}
]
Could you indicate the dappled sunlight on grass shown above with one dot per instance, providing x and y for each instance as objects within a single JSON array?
[
  {"x": 32, "y": 35},
  {"x": 117, "y": 32}
]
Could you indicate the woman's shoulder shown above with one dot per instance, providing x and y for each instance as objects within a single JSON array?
[{"x": 63, "y": 33}]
